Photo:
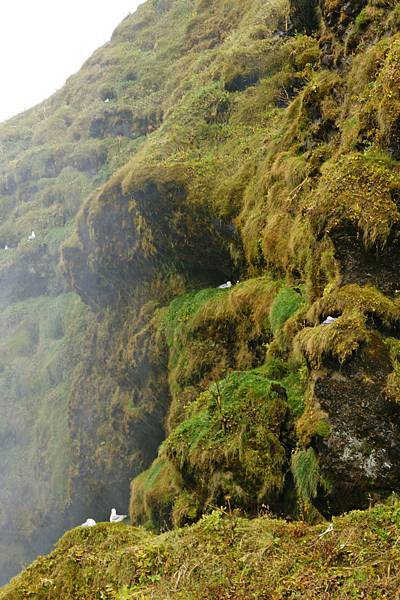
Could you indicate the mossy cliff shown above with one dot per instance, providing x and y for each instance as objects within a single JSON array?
[{"x": 251, "y": 141}]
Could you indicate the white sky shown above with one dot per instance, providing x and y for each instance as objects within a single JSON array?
[{"x": 43, "y": 42}]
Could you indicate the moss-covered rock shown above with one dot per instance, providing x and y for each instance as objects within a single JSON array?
[{"x": 239, "y": 141}]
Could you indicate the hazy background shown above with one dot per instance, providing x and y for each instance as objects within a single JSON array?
[{"x": 42, "y": 42}]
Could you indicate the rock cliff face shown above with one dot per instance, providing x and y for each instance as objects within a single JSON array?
[{"x": 254, "y": 142}]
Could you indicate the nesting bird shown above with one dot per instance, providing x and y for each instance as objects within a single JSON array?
[
  {"x": 114, "y": 518},
  {"x": 329, "y": 320},
  {"x": 225, "y": 286},
  {"x": 32, "y": 236},
  {"x": 89, "y": 523}
]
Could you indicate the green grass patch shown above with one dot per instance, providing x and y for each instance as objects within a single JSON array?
[{"x": 287, "y": 302}]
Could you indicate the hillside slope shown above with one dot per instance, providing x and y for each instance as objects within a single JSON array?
[
  {"x": 223, "y": 557},
  {"x": 209, "y": 141}
]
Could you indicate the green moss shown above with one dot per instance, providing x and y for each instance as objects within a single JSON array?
[
  {"x": 182, "y": 310},
  {"x": 393, "y": 380},
  {"x": 338, "y": 340},
  {"x": 355, "y": 305},
  {"x": 117, "y": 561},
  {"x": 366, "y": 300},
  {"x": 365, "y": 17},
  {"x": 153, "y": 494},
  {"x": 226, "y": 444},
  {"x": 201, "y": 328},
  {"x": 224, "y": 440},
  {"x": 285, "y": 305},
  {"x": 229, "y": 442},
  {"x": 357, "y": 189}
]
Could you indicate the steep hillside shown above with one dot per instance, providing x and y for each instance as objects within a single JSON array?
[{"x": 255, "y": 142}]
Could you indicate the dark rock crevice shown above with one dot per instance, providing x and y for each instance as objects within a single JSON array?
[{"x": 378, "y": 267}]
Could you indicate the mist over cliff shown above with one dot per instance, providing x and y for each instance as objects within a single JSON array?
[{"x": 255, "y": 143}]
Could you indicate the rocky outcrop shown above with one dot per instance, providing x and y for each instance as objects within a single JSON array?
[{"x": 361, "y": 454}]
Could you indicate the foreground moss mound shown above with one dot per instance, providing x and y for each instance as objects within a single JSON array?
[
  {"x": 231, "y": 441},
  {"x": 223, "y": 556}
]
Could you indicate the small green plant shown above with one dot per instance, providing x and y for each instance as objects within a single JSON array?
[
  {"x": 308, "y": 479},
  {"x": 305, "y": 469}
]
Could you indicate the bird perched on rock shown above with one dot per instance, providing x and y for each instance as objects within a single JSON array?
[
  {"x": 89, "y": 523},
  {"x": 114, "y": 518},
  {"x": 329, "y": 320}
]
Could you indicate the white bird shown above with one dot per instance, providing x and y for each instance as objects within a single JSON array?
[
  {"x": 32, "y": 236},
  {"x": 89, "y": 523},
  {"x": 6, "y": 247},
  {"x": 329, "y": 320},
  {"x": 107, "y": 100},
  {"x": 225, "y": 286},
  {"x": 114, "y": 518}
]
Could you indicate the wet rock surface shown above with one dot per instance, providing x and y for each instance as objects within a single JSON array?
[{"x": 362, "y": 453}]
